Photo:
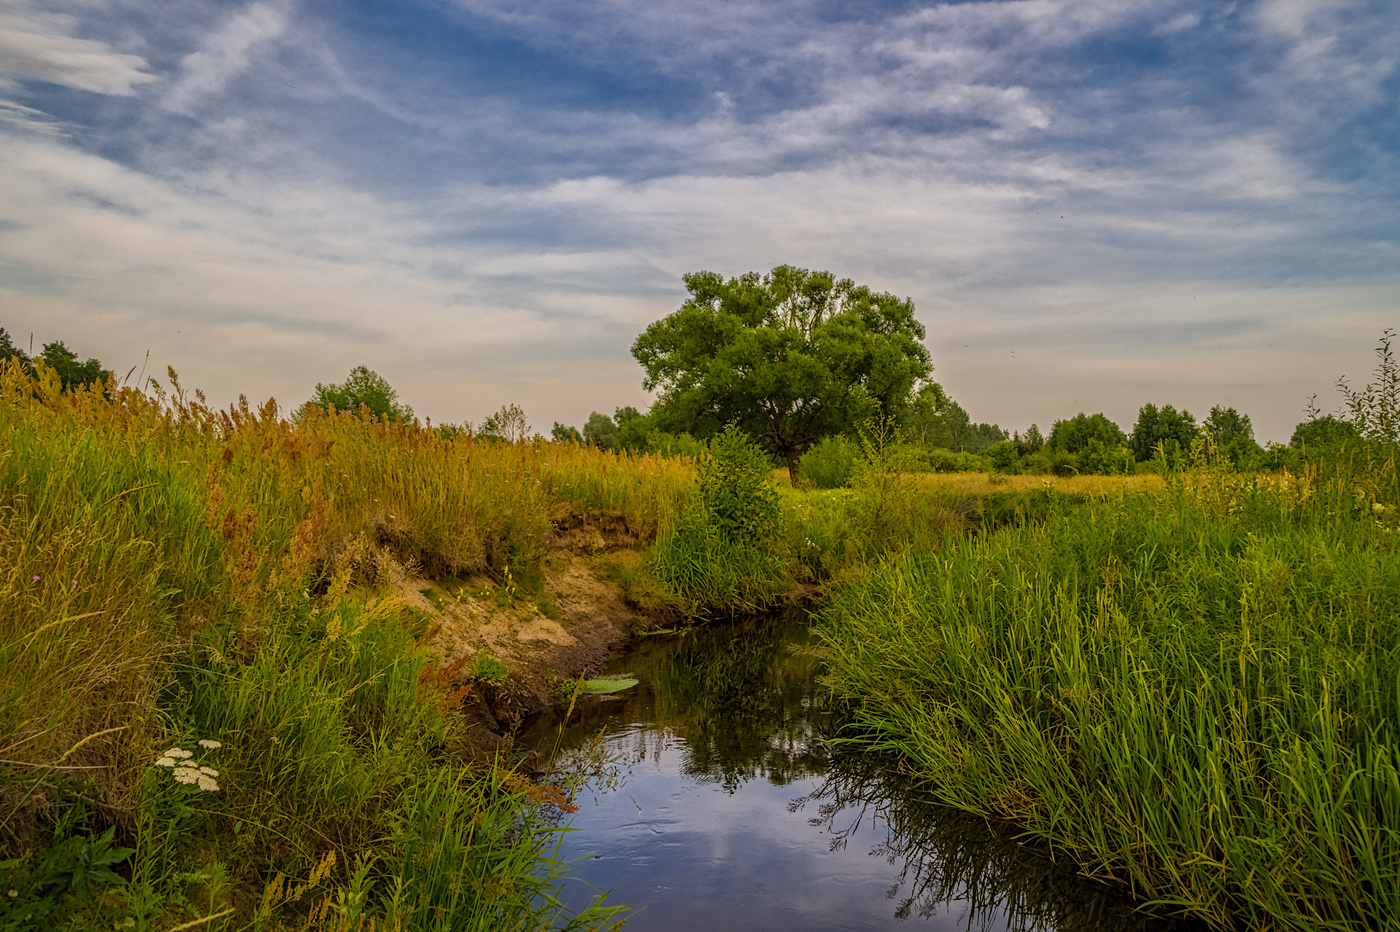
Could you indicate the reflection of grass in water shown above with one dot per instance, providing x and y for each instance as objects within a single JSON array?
[
  {"x": 952, "y": 858},
  {"x": 744, "y": 703}
]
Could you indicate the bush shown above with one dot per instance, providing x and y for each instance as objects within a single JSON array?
[
  {"x": 723, "y": 554},
  {"x": 828, "y": 465},
  {"x": 1005, "y": 458}
]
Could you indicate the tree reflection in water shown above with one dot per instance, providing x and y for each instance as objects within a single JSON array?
[{"x": 740, "y": 702}]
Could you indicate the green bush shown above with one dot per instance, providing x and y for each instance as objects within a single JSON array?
[
  {"x": 723, "y": 553},
  {"x": 829, "y": 463}
]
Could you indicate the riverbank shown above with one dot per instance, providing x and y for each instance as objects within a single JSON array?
[
  {"x": 237, "y": 651},
  {"x": 1191, "y": 692}
]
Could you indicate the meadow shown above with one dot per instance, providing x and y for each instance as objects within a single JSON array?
[
  {"x": 218, "y": 710},
  {"x": 1192, "y": 691},
  {"x": 213, "y": 704}
]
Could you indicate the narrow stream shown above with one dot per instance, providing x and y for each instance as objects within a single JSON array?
[{"x": 713, "y": 802}]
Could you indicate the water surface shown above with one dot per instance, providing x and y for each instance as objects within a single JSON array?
[{"x": 719, "y": 804}]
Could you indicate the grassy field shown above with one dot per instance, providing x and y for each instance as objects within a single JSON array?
[
  {"x": 1193, "y": 691},
  {"x": 216, "y": 707},
  {"x": 176, "y": 574}
]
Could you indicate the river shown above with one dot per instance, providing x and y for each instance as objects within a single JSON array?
[{"x": 712, "y": 800}]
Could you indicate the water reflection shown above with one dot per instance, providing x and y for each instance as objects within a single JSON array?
[
  {"x": 719, "y": 802},
  {"x": 944, "y": 856},
  {"x": 742, "y": 698}
]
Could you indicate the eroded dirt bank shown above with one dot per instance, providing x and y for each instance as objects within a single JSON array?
[{"x": 562, "y": 626}]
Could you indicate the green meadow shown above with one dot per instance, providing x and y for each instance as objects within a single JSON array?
[{"x": 219, "y": 709}]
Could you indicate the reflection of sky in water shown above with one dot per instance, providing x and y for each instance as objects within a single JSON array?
[
  {"x": 729, "y": 812},
  {"x": 686, "y": 853}
]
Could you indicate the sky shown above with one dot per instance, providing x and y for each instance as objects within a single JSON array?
[{"x": 1094, "y": 204}]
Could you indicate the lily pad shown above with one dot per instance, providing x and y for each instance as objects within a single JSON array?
[{"x": 604, "y": 685}]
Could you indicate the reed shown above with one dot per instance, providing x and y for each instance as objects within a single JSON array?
[
  {"x": 1192, "y": 691},
  {"x": 175, "y": 572}
]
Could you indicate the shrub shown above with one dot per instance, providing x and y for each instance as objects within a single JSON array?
[
  {"x": 722, "y": 553},
  {"x": 829, "y": 463}
]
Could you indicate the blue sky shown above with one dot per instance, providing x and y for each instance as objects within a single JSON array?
[{"x": 1093, "y": 203}]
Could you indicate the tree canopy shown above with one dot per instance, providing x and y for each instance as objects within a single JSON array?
[
  {"x": 1166, "y": 427},
  {"x": 1322, "y": 432},
  {"x": 1075, "y": 434},
  {"x": 788, "y": 357},
  {"x": 56, "y": 355},
  {"x": 363, "y": 387}
]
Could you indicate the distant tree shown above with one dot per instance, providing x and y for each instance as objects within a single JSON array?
[
  {"x": 1375, "y": 410},
  {"x": 562, "y": 433},
  {"x": 71, "y": 373},
  {"x": 789, "y": 357},
  {"x": 1317, "y": 433},
  {"x": 1228, "y": 427},
  {"x": 956, "y": 431},
  {"x": 1165, "y": 427},
  {"x": 634, "y": 429},
  {"x": 600, "y": 431},
  {"x": 1005, "y": 457},
  {"x": 1031, "y": 442},
  {"x": 1075, "y": 434},
  {"x": 363, "y": 388},
  {"x": 1233, "y": 435},
  {"x": 990, "y": 434},
  {"x": 508, "y": 424},
  {"x": 923, "y": 418},
  {"x": 8, "y": 350}
]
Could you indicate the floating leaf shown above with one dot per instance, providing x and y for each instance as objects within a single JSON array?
[{"x": 604, "y": 685}]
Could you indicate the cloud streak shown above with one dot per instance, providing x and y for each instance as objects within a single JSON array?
[
  {"x": 38, "y": 46},
  {"x": 1146, "y": 201}
]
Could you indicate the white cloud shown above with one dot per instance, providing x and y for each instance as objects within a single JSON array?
[
  {"x": 36, "y": 46},
  {"x": 477, "y": 247},
  {"x": 227, "y": 52}
]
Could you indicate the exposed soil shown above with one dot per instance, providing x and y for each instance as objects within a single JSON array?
[{"x": 484, "y": 619}]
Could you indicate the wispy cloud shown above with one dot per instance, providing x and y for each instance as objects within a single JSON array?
[
  {"x": 227, "y": 52},
  {"x": 488, "y": 200},
  {"x": 40, "y": 46}
]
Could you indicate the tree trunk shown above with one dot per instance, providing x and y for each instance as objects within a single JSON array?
[{"x": 792, "y": 457}]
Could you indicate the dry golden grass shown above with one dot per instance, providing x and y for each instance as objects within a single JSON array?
[
  {"x": 130, "y": 523},
  {"x": 981, "y": 483}
]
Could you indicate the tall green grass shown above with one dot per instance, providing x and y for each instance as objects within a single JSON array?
[
  {"x": 1194, "y": 691},
  {"x": 174, "y": 572}
]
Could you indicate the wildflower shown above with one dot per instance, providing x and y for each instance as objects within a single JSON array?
[
  {"x": 179, "y": 752},
  {"x": 35, "y": 579},
  {"x": 208, "y": 784},
  {"x": 210, "y": 743},
  {"x": 166, "y": 762},
  {"x": 186, "y": 775},
  {"x": 209, "y": 771}
]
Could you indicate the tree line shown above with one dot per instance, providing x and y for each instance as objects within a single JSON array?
[{"x": 800, "y": 361}]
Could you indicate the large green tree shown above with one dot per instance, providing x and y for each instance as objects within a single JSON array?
[{"x": 788, "y": 357}]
